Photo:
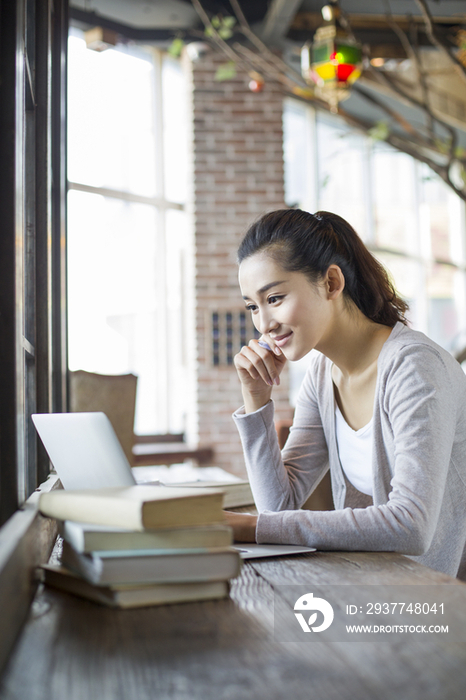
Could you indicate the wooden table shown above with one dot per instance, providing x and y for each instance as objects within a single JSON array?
[{"x": 226, "y": 650}]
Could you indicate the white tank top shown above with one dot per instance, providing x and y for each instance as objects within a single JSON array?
[{"x": 355, "y": 452}]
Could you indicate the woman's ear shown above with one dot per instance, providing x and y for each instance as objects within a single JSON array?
[{"x": 334, "y": 282}]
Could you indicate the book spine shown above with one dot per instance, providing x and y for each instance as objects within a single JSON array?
[{"x": 192, "y": 538}]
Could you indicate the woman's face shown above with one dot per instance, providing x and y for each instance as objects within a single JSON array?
[{"x": 285, "y": 306}]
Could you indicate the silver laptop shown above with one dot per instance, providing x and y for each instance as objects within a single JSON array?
[
  {"x": 84, "y": 450},
  {"x": 86, "y": 454}
]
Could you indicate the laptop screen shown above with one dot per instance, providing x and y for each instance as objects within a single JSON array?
[{"x": 84, "y": 450}]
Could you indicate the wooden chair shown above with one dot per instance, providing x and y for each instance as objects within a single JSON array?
[
  {"x": 321, "y": 498},
  {"x": 115, "y": 395}
]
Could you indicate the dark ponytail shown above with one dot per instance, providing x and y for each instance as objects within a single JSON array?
[{"x": 310, "y": 243}]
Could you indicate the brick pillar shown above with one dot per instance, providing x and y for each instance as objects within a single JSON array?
[{"x": 237, "y": 149}]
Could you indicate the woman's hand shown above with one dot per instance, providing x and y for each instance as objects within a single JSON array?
[
  {"x": 259, "y": 370},
  {"x": 243, "y": 524}
]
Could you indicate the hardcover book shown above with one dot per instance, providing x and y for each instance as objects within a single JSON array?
[
  {"x": 85, "y": 537},
  {"x": 132, "y": 596},
  {"x": 153, "y": 566},
  {"x": 136, "y": 507}
]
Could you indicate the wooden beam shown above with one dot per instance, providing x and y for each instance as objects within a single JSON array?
[
  {"x": 312, "y": 20},
  {"x": 278, "y": 19}
]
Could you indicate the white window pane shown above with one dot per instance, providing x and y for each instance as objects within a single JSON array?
[
  {"x": 441, "y": 217},
  {"x": 436, "y": 295},
  {"x": 408, "y": 277},
  {"x": 443, "y": 282},
  {"x": 110, "y": 118},
  {"x": 174, "y": 92},
  {"x": 395, "y": 204},
  {"x": 114, "y": 300},
  {"x": 178, "y": 290},
  {"x": 298, "y": 155},
  {"x": 341, "y": 156}
]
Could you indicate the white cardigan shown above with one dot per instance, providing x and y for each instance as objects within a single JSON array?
[{"x": 419, "y": 461}]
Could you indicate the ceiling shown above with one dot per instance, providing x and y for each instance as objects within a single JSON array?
[
  {"x": 287, "y": 24},
  {"x": 279, "y": 20}
]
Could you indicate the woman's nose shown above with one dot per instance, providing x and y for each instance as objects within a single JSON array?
[{"x": 266, "y": 323}]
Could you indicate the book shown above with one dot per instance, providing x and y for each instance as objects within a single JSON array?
[
  {"x": 85, "y": 537},
  {"x": 237, "y": 493},
  {"x": 136, "y": 507},
  {"x": 131, "y": 596},
  {"x": 153, "y": 566}
]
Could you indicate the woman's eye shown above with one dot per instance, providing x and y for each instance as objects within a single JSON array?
[
  {"x": 251, "y": 307},
  {"x": 274, "y": 299}
]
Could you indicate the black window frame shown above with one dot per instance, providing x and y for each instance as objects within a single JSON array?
[{"x": 33, "y": 342}]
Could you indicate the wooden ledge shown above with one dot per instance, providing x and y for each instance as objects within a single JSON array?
[{"x": 26, "y": 541}]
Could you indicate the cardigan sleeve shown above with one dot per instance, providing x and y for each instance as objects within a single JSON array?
[
  {"x": 282, "y": 481},
  {"x": 418, "y": 398}
]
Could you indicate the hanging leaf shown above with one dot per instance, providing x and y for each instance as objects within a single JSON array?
[
  {"x": 222, "y": 25},
  {"x": 225, "y": 33},
  {"x": 176, "y": 47},
  {"x": 443, "y": 146},
  {"x": 379, "y": 132},
  {"x": 226, "y": 28},
  {"x": 229, "y": 22},
  {"x": 226, "y": 71}
]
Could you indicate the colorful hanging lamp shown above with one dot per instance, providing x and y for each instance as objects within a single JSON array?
[{"x": 334, "y": 59}]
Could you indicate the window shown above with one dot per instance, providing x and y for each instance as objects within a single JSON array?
[
  {"x": 411, "y": 221},
  {"x": 32, "y": 186},
  {"x": 128, "y": 231}
]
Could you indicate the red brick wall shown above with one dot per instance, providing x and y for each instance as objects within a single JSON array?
[{"x": 237, "y": 155}]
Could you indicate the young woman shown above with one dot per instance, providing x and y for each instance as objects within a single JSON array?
[{"x": 382, "y": 406}]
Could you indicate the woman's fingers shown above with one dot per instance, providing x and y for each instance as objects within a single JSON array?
[
  {"x": 267, "y": 343},
  {"x": 258, "y": 361},
  {"x": 265, "y": 359},
  {"x": 243, "y": 364},
  {"x": 278, "y": 356},
  {"x": 250, "y": 361}
]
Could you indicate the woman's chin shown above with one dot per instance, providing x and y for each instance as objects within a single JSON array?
[
  {"x": 291, "y": 355},
  {"x": 295, "y": 354}
]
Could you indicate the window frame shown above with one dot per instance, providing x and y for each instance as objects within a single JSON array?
[
  {"x": 33, "y": 36},
  {"x": 33, "y": 241}
]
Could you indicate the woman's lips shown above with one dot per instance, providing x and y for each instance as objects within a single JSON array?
[{"x": 281, "y": 340}]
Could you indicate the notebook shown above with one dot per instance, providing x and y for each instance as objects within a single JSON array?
[
  {"x": 258, "y": 551},
  {"x": 86, "y": 453}
]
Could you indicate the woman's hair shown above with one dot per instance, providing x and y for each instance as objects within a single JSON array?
[{"x": 302, "y": 242}]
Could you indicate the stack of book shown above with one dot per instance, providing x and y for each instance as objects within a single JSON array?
[{"x": 141, "y": 545}]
